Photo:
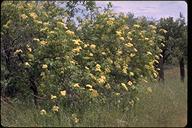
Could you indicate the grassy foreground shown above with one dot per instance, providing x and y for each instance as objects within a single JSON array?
[{"x": 166, "y": 106}]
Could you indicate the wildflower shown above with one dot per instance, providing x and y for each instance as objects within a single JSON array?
[
  {"x": 102, "y": 79},
  {"x": 44, "y": 66},
  {"x": 33, "y": 15},
  {"x": 108, "y": 86},
  {"x": 130, "y": 83},
  {"x": 86, "y": 68},
  {"x": 136, "y": 26},
  {"x": 86, "y": 45},
  {"x": 122, "y": 38},
  {"x": 117, "y": 94},
  {"x": 43, "y": 42},
  {"x": 77, "y": 41},
  {"x": 75, "y": 119},
  {"x": 124, "y": 86},
  {"x": 29, "y": 49},
  {"x": 63, "y": 93},
  {"x": 155, "y": 75},
  {"x": 118, "y": 33},
  {"x": 43, "y": 112},
  {"x": 71, "y": 33},
  {"x": 60, "y": 23},
  {"x": 91, "y": 54},
  {"x": 94, "y": 92},
  {"x": 36, "y": 39},
  {"x": 88, "y": 86},
  {"x": 53, "y": 97},
  {"x": 149, "y": 89},
  {"x": 131, "y": 74},
  {"x": 18, "y": 51},
  {"x": 77, "y": 49},
  {"x": 149, "y": 53},
  {"x": 76, "y": 85},
  {"x": 23, "y": 16},
  {"x": 55, "y": 108},
  {"x": 98, "y": 67},
  {"x": 160, "y": 55},
  {"x": 72, "y": 62},
  {"x": 103, "y": 53},
  {"x": 146, "y": 39},
  {"x": 163, "y": 44},
  {"x": 152, "y": 27},
  {"x": 163, "y": 30},
  {"x": 132, "y": 54},
  {"x": 129, "y": 45},
  {"x": 27, "y": 64},
  {"x": 135, "y": 49},
  {"x": 92, "y": 46},
  {"x": 137, "y": 98}
]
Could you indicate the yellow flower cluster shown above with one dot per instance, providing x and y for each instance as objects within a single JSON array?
[
  {"x": 88, "y": 86},
  {"x": 129, "y": 83},
  {"x": 55, "y": 108},
  {"x": 76, "y": 85},
  {"x": 92, "y": 46},
  {"x": 110, "y": 21},
  {"x": 43, "y": 112},
  {"x": 18, "y": 51},
  {"x": 33, "y": 15},
  {"x": 118, "y": 33},
  {"x": 53, "y": 97},
  {"x": 44, "y": 66},
  {"x": 23, "y": 16},
  {"x": 163, "y": 30},
  {"x": 152, "y": 27},
  {"x": 124, "y": 86},
  {"x": 136, "y": 26},
  {"x": 102, "y": 80},
  {"x": 27, "y": 64},
  {"x": 63, "y": 93},
  {"x": 75, "y": 119},
  {"x": 77, "y": 41},
  {"x": 94, "y": 92},
  {"x": 77, "y": 49},
  {"x": 36, "y": 39},
  {"x": 121, "y": 38},
  {"x": 98, "y": 68},
  {"x": 43, "y": 42},
  {"x": 129, "y": 45},
  {"x": 71, "y": 33}
]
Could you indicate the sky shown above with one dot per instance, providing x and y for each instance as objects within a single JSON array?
[{"x": 150, "y": 9}]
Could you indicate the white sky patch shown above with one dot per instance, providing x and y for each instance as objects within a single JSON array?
[{"x": 155, "y": 9}]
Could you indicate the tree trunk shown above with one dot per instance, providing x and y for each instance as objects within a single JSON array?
[
  {"x": 182, "y": 69},
  {"x": 33, "y": 87},
  {"x": 161, "y": 72}
]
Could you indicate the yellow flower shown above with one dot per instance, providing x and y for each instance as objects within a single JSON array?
[
  {"x": 77, "y": 49},
  {"x": 98, "y": 68},
  {"x": 94, "y": 92},
  {"x": 63, "y": 93},
  {"x": 124, "y": 86},
  {"x": 149, "y": 53},
  {"x": 77, "y": 41},
  {"x": 122, "y": 38},
  {"x": 92, "y": 46},
  {"x": 149, "y": 89},
  {"x": 76, "y": 120},
  {"x": 18, "y": 51},
  {"x": 71, "y": 33},
  {"x": 146, "y": 38},
  {"x": 60, "y": 24},
  {"x": 86, "y": 45},
  {"x": 44, "y": 66},
  {"x": 131, "y": 74},
  {"x": 91, "y": 54},
  {"x": 132, "y": 54},
  {"x": 135, "y": 49},
  {"x": 27, "y": 64},
  {"x": 118, "y": 33},
  {"x": 53, "y": 97},
  {"x": 103, "y": 53},
  {"x": 163, "y": 30},
  {"x": 55, "y": 108},
  {"x": 136, "y": 26},
  {"x": 43, "y": 112},
  {"x": 33, "y": 15},
  {"x": 155, "y": 75},
  {"x": 30, "y": 50},
  {"x": 163, "y": 44},
  {"x": 152, "y": 27},
  {"x": 36, "y": 39},
  {"x": 108, "y": 86},
  {"x": 130, "y": 83},
  {"x": 117, "y": 94},
  {"x": 88, "y": 86},
  {"x": 43, "y": 42},
  {"x": 161, "y": 55},
  {"x": 102, "y": 80},
  {"x": 23, "y": 16},
  {"x": 76, "y": 85},
  {"x": 129, "y": 45}
]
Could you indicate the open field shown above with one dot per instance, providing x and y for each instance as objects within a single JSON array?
[{"x": 166, "y": 106}]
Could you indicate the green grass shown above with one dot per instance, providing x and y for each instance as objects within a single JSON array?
[{"x": 166, "y": 106}]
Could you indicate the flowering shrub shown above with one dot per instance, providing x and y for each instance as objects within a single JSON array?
[{"x": 104, "y": 59}]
